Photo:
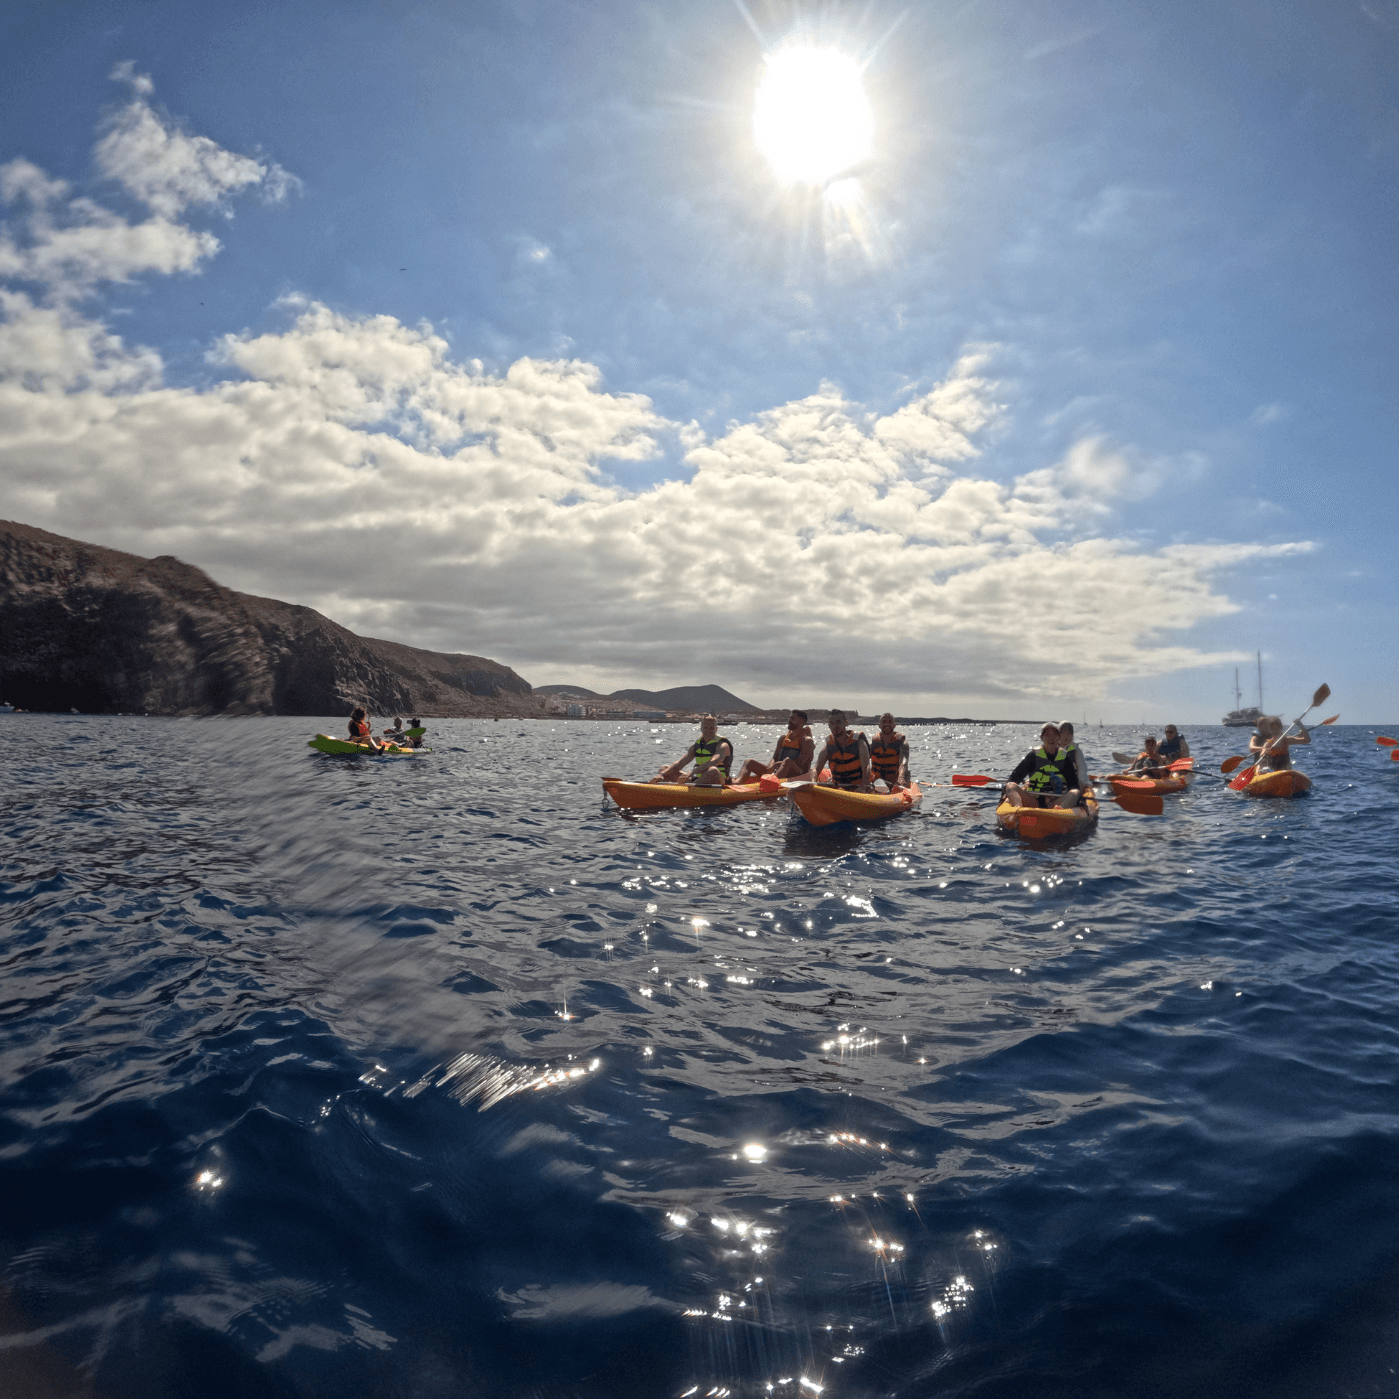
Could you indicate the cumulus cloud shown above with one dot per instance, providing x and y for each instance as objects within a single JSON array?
[
  {"x": 351, "y": 463},
  {"x": 66, "y": 247}
]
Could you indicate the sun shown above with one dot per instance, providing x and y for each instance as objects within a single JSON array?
[{"x": 811, "y": 119}]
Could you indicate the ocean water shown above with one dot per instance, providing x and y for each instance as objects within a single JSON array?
[{"x": 442, "y": 1076}]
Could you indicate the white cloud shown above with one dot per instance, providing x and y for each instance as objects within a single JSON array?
[
  {"x": 168, "y": 169},
  {"x": 350, "y": 463},
  {"x": 68, "y": 246}
]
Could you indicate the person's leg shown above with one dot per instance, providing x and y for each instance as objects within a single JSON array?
[
  {"x": 1016, "y": 795},
  {"x": 752, "y": 770},
  {"x": 1070, "y": 798},
  {"x": 711, "y": 775}
]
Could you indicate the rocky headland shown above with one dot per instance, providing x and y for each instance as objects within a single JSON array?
[{"x": 102, "y": 632}]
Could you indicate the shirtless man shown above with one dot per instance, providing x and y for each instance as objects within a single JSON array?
[
  {"x": 1150, "y": 762},
  {"x": 1270, "y": 749},
  {"x": 792, "y": 756},
  {"x": 848, "y": 755},
  {"x": 889, "y": 755},
  {"x": 711, "y": 755}
]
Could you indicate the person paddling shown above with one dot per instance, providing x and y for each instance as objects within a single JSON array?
[
  {"x": 360, "y": 732},
  {"x": 711, "y": 755},
  {"x": 791, "y": 758},
  {"x": 847, "y": 753},
  {"x": 1173, "y": 747},
  {"x": 1150, "y": 762},
  {"x": 889, "y": 755},
  {"x": 1049, "y": 775},
  {"x": 1270, "y": 748}
]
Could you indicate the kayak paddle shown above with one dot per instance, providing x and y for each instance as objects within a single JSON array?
[
  {"x": 1320, "y": 697},
  {"x": 1387, "y": 742}
]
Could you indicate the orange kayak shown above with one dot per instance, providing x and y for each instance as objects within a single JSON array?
[
  {"x": 658, "y": 796},
  {"x": 1177, "y": 782},
  {"x": 1287, "y": 783},
  {"x": 824, "y": 806},
  {"x": 1037, "y": 822}
]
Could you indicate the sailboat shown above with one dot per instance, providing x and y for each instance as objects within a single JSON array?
[{"x": 1238, "y": 718}]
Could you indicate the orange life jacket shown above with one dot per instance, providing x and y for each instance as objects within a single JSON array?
[
  {"x": 844, "y": 758},
  {"x": 885, "y": 756},
  {"x": 359, "y": 728}
]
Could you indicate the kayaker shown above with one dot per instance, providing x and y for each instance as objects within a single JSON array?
[
  {"x": 1270, "y": 748},
  {"x": 360, "y": 732},
  {"x": 1149, "y": 762},
  {"x": 414, "y": 740},
  {"x": 1173, "y": 747},
  {"x": 791, "y": 758},
  {"x": 711, "y": 755},
  {"x": 847, "y": 753},
  {"x": 394, "y": 733},
  {"x": 1066, "y": 742},
  {"x": 889, "y": 755},
  {"x": 1049, "y": 775}
]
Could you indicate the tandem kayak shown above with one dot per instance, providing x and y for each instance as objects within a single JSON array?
[
  {"x": 1178, "y": 782},
  {"x": 658, "y": 796},
  {"x": 1286, "y": 783},
  {"x": 343, "y": 746},
  {"x": 1037, "y": 822},
  {"x": 823, "y": 806}
]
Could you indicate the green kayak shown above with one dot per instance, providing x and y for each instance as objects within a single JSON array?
[{"x": 326, "y": 744}]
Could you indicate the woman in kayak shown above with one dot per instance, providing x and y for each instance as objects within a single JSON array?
[
  {"x": 1066, "y": 741},
  {"x": 791, "y": 757},
  {"x": 1049, "y": 775},
  {"x": 360, "y": 732},
  {"x": 712, "y": 756},
  {"x": 1270, "y": 749}
]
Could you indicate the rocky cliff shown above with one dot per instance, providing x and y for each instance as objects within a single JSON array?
[{"x": 87, "y": 628}]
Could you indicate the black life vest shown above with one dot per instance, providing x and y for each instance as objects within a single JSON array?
[{"x": 1056, "y": 774}]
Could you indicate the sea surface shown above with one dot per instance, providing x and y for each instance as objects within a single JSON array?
[{"x": 441, "y": 1076}]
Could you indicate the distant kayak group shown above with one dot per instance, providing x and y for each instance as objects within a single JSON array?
[
  {"x": 854, "y": 777},
  {"x": 857, "y": 777}
]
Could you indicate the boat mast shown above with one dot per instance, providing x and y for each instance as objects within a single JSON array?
[
  {"x": 1259, "y": 654},
  {"x": 1238, "y": 693}
]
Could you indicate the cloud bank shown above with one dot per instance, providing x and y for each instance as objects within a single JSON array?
[{"x": 351, "y": 463}]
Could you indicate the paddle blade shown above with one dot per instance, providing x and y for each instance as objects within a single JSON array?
[
  {"x": 1183, "y": 765},
  {"x": 966, "y": 779},
  {"x": 1394, "y": 755},
  {"x": 1140, "y": 805},
  {"x": 1229, "y": 764},
  {"x": 1321, "y": 696},
  {"x": 1124, "y": 757},
  {"x": 1124, "y": 784},
  {"x": 1388, "y": 742},
  {"x": 1331, "y": 720},
  {"x": 1244, "y": 778}
]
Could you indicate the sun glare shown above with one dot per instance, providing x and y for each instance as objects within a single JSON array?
[{"x": 811, "y": 118}]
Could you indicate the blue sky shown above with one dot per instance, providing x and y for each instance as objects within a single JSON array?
[{"x": 513, "y": 343}]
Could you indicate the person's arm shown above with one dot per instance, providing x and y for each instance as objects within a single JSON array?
[
  {"x": 866, "y": 776},
  {"x": 1184, "y": 749},
  {"x": 818, "y": 761},
  {"x": 1299, "y": 738},
  {"x": 1026, "y": 767},
  {"x": 806, "y": 753},
  {"x": 901, "y": 777},
  {"x": 672, "y": 772},
  {"x": 1256, "y": 744}
]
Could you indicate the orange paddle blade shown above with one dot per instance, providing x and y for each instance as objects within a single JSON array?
[
  {"x": 1388, "y": 742},
  {"x": 1128, "y": 784},
  {"x": 1140, "y": 805},
  {"x": 1244, "y": 778},
  {"x": 966, "y": 779},
  {"x": 1183, "y": 765},
  {"x": 1394, "y": 755},
  {"x": 1331, "y": 720},
  {"x": 1229, "y": 764}
]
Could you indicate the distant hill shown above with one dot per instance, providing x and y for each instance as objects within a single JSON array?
[
  {"x": 96, "y": 630},
  {"x": 567, "y": 690},
  {"x": 694, "y": 698}
]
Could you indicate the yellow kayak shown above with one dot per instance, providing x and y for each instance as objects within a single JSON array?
[
  {"x": 1286, "y": 783},
  {"x": 823, "y": 806},
  {"x": 658, "y": 796},
  {"x": 326, "y": 744},
  {"x": 1037, "y": 822}
]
